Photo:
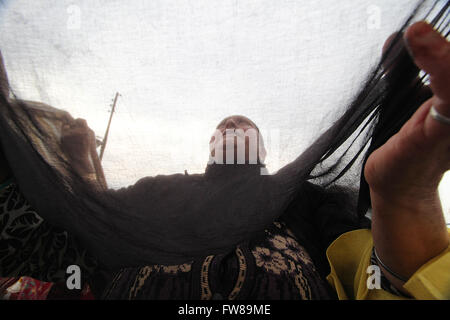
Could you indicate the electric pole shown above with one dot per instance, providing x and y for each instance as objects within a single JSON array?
[{"x": 105, "y": 139}]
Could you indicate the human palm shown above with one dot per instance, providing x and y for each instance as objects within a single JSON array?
[{"x": 408, "y": 167}]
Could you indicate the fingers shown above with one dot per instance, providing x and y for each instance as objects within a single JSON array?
[
  {"x": 431, "y": 53},
  {"x": 388, "y": 42},
  {"x": 80, "y": 123},
  {"x": 79, "y": 132},
  {"x": 388, "y": 59}
]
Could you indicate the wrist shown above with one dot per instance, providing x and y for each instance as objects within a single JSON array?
[
  {"x": 405, "y": 199},
  {"x": 408, "y": 234}
]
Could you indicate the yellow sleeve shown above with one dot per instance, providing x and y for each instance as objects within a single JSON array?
[{"x": 349, "y": 258}]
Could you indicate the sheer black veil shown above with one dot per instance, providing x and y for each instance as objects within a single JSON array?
[{"x": 172, "y": 219}]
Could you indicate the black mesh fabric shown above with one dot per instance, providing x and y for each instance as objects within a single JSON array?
[{"x": 169, "y": 219}]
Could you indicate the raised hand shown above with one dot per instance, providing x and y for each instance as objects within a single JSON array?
[
  {"x": 77, "y": 142},
  {"x": 403, "y": 175}
]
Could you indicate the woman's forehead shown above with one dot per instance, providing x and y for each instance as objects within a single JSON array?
[{"x": 239, "y": 119}]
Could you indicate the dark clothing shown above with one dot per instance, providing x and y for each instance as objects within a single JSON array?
[{"x": 274, "y": 265}]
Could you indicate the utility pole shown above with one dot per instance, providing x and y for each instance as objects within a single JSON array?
[{"x": 105, "y": 139}]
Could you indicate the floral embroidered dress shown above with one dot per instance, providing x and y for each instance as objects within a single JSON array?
[{"x": 275, "y": 266}]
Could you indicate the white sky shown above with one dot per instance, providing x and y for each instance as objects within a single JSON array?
[{"x": 181, "y": 66}]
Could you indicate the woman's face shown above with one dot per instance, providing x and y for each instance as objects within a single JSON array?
[{"x": 238, "y": 137}]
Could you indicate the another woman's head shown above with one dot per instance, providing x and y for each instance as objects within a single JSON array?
[{"x": 237, "y": 140}]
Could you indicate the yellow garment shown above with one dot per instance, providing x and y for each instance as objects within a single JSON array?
[{"x": 349, "y": 258}]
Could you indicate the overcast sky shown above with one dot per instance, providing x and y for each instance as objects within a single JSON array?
[{"x": 181, "y": 66}]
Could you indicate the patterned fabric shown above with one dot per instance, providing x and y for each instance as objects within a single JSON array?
[
  {"x": 275, "y": 266},
  {"x": 30, "y": 246},
  {"x": 27, "y": 288}
]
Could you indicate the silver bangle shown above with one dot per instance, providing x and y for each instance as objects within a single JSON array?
[
  {"x": 439, "y": 117},
  {"x": 392, "y": 273}
]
